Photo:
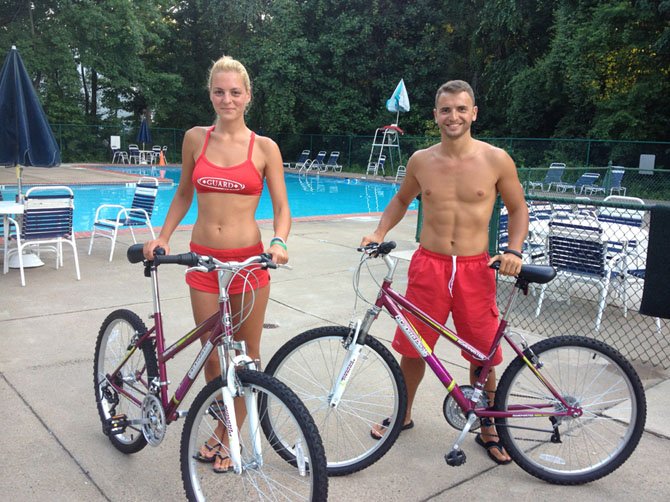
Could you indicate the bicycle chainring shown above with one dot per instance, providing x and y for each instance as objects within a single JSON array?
[
  {"x": 154, "y": 424},
  {"x": 453, "y": 413}
]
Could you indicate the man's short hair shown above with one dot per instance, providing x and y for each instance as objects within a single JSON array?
[{"x": 455, "y": 87}]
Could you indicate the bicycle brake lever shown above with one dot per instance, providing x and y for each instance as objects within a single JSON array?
[
  {"x": 268, "y": 263},
  {"x": 369, "y": 246}
]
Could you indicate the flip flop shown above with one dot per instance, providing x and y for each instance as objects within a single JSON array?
[
  {"x": 205, "y": 459},
  {"x": 491, "y": 444},
  {"x": 385, "y": 423},
  {"x": 227, "y": 469}
]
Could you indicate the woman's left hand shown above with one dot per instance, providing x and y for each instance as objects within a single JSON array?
[{"x": 279, "y": 254}]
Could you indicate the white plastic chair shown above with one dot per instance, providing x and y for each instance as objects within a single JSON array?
[
  {"x": 317, "y": 163},
  {"x": 46, "y": 224},
  {"x": 553, "y": 176},
  {"x": 110, "y": 218},
  {"x": 616, "y": 180},
  {"x": 332, "y": 164},
  {"x": 133, "y": 154},
  {"x": 119, "y": 156},
  {"x": 374, "y": 167},
  {"x": 302, "y": 158},
  {"x": 400, "y": 173},
  {"x": 579, "y": 253}
]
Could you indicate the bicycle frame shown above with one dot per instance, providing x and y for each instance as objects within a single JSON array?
[
  {"x": 393, "y": 302},
  {"x": 221, "y": 334}
]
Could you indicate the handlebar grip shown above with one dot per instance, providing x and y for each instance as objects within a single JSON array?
[
  {"x": 188, "y": 259},
  {"x": 386, "y": 247},
  {"x": 135, "y": 253},
  {"x": 375, "y": 249}
]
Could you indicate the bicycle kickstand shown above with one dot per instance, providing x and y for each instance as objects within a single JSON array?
[{"x": 456, "y": 456}]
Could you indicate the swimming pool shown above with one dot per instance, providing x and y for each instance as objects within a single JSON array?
[{"x": 307, "y": 196}]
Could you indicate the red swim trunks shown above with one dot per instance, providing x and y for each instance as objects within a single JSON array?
[
  {"x": 468, "y": 293},
  {"x": 209, "y": 282}
]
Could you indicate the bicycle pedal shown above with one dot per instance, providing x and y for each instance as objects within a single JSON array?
[
  {"x": 455, "y": 458},
  {"x": 115, "y": 425}
]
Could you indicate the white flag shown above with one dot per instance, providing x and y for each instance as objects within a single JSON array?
[{"x": 399, "y": 101}]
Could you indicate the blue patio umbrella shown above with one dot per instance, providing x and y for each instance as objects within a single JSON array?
[
  {"x": 144, "y": 135},
  {"x": 26, "y": 139}
]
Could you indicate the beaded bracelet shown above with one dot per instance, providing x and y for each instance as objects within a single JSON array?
[
  {"x": 514, "y": 252},
  {"x": 279, "y": 241}
]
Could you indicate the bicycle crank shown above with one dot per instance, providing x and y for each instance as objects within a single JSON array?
[
  {"x": 154, "y": 424},
  {"x": 453, "y": 412}
]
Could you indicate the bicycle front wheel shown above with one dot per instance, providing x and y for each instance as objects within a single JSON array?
[
  {"x": 115, "y": 341},
  {"x": 589, "y": 375},
  {"x": 282, "y": 453},
  {"x": 310, "y": 364}
]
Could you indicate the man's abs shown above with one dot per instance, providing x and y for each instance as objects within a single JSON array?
[{"x": 458, "y": 234}]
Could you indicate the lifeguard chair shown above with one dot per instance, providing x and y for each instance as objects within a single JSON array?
[{"x": 385, "y": 147}]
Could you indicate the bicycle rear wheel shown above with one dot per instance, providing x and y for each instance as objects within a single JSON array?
[
  {"x": 115, "y": 340},
  {"x": 310, "y": 364},
  {"x": 290, "y": 464},
  {"x": 572, "y": 450}
]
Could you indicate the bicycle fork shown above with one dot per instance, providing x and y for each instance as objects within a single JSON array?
[
  {"x": 353, "y": 353},
  {"x": 229, "y": 392}
]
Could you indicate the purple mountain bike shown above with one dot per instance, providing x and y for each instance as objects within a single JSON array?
[
  {"x": 568, "y": 409},
  {"x": 270, "y": 438}
]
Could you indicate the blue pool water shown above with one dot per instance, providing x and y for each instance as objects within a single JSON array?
[{"x": 307, "y": 196}]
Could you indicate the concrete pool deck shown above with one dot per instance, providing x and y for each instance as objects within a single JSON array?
[
  {"x": 92, "y": 174},
  {"x": 52, "y": 445},
  {"x": 69, "y": 174}
]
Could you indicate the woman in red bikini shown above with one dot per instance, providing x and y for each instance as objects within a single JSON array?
[{"x": 226, "y": 164}]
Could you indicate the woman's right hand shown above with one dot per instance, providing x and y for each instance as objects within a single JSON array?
[{"x": 153, "y": 244}]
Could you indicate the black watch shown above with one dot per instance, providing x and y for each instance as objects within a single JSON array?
[{"x": 515, "y": 253}]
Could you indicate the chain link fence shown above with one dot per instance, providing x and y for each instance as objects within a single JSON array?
[
  {"x": 86, "y": 143},
  {"x": 598, "y": 246},
  {"x": 603, "y": 304}
]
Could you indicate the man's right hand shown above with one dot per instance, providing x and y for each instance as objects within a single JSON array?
[
  {"x": 149, "y": 247},
  {"x": 374, "y": 237}
]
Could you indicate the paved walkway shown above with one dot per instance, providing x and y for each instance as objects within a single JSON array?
[{"x": 52, "y": 445}]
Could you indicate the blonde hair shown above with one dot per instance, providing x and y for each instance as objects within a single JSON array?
[
  {"x": 226, "y": 63},
  {"x": 455, "y": 87}
]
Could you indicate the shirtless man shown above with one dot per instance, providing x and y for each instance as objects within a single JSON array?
[{"x": 458, "y": 180}]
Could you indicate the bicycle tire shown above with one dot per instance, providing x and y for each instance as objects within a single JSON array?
[
  {"x": 311, "y": 362},
  {"x": 272, "y": 476},
  {"x": 111, "y": 348},
  {"x": 601, "y": 382}
]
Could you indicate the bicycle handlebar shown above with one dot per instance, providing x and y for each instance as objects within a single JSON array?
[
  {"x": 376, "y": 249},
  {"x": 135, "y": 254},
  {"x": 539, "y": 274}
]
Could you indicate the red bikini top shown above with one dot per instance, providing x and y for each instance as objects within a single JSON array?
[{"x": 243, "y": 179}]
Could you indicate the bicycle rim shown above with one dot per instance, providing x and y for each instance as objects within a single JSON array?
[
  {"x": 590, "y": 375},
  {"x": 115, "y": 337},
  {"x": 310, "y": 364},
  {"x": 266, "y": 474}
]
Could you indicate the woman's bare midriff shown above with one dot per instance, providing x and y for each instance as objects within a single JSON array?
[{"x": 229, "y": 225}]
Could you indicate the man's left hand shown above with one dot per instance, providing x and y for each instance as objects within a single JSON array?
[{"x": 509, "y": 263}]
